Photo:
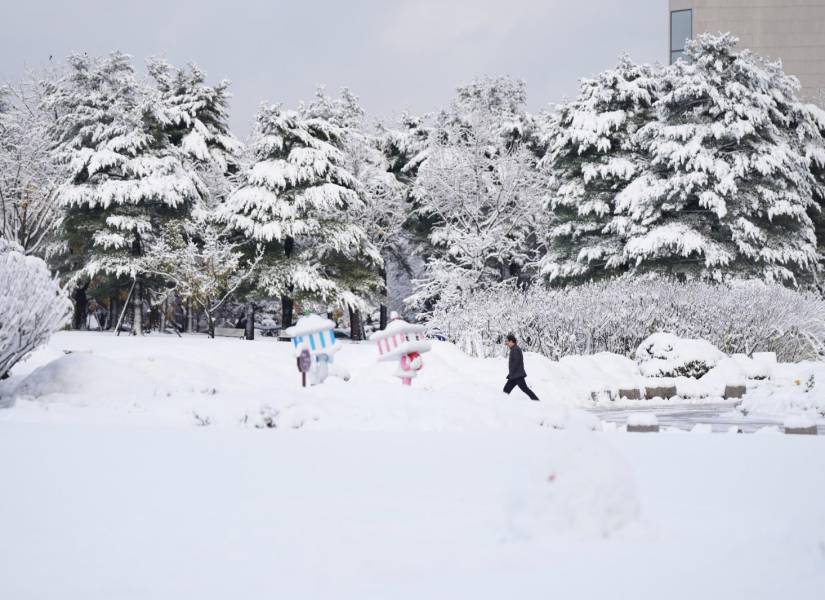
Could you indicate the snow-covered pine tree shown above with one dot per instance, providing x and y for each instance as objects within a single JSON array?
[
  {"x": 406, "y": 146},
  {"x": 297, "y": 199},
  {"x": 592, "y": 155},
  {"x": 809, "y": 126},
  {"x": 480, "y": 186},
  {"x": 383, "y": 210},
  {"x": 196, "y": 120},
  {"x": 729, "y": 188},
  {"x": 126, "y": 178}
]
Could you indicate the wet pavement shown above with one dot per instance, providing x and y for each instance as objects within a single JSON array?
[{"x": 719, "y": 416}]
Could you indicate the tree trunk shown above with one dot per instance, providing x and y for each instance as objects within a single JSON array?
[
  {"x": 384, "y": 310},
  {"x": 287, "y": 304},
  {"x": 111, "y": 318},
  {"x": 286, "y": 311},
  {"x": 210, "y": 325},
  {"x": 250, "y": 321},
  {"x": 137, "y": 309},
  {"x": 356, "y": 326},
  {"x": 188, "y": 326},
  {"x": 81, "y": 305},
  {"x": 163, "y": 308}
]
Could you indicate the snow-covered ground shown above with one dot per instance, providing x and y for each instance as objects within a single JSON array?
[
  {"x": 144, "y": 468},
  {"x": 163, "y": 379},
  {"x": 100, "y": 512}
]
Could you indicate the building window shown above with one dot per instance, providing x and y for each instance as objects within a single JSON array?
[{"x": 681, "y": 29}]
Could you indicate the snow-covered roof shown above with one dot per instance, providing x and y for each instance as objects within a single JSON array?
[
  {"x": 308, "y": 325},
  {"x": 397, "y": 326}
]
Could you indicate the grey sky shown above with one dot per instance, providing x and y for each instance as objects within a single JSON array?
[{"x": 394, "y": 55}]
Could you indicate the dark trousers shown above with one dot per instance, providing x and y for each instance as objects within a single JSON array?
[{"x": 521, "y": 383}]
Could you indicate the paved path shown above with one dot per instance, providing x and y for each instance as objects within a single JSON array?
[{"x": 684, "y": 416}]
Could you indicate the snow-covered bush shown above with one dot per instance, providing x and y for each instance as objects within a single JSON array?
[
  {"x": 32, "y": 305},
  {"x": 481, "y": 192},
  {"x": 667, "y": 355},
  {"x": 616, "y": 316}
]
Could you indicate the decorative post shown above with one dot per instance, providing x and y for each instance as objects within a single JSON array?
[
  {"x": 313, "y": 339},
  {"x": 404, "y": 342},
  {"x": 304, "y": 361}
]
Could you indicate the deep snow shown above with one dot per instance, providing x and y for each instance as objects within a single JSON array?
[
  {"x": 92, "y": 512},
  {"x": 162, "y": 379},
  {"x": 144, "y": 468}
]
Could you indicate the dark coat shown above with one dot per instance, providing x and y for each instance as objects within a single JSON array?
[{"x": 516, "y": 364}]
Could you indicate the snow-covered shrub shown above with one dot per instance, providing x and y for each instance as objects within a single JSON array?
[
  {"x": 797, "y": 389},
  {"x": 667, "y": 355},
  {"x": 617, "y": 315},
  {"x": 32, "y": 305}
]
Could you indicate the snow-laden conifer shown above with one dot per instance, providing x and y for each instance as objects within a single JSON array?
[
  {"x": 729, "y": 189},
  {"x": 125, "y": 177},
  {"x": 297, "y": 199},
  {"x": 196, "y": 120},
  {"x": 592, "y": 155}
]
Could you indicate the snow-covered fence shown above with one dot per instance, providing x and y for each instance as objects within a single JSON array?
[
  {"x": 615, "y": 316},
  {"x": 32, "y": 305}
]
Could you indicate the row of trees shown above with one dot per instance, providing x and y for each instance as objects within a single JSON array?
[{"x": 706, "y": 169}]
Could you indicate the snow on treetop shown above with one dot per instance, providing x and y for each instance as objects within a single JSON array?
[
  {"x": 308, "y": 325},
  {"x": 397, "y": 326}
]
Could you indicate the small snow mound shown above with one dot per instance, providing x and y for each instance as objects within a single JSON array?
[
  {"x": 584, "y": 489},
  {"x": 728, "y": 371},
  {"x": 667, "y": 355},
  {"x": 797, "y": 422},
  {"x": 767, "y": 429},
  {"x": 571, "y": 419},
  {"x": 642, "y": 419},
  {"x": 309, "y": 324},
  {"x": 702, "y": 428},
  {"x": 79, "y": 374}
]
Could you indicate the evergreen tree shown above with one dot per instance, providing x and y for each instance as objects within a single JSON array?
[
  {"x": 384, "y": 209},
  {"x": 592, "y": 155},
  {"x": 297, "y": 198},
  {"x": 729, "y": 188},
  {"x": 126, "y": 178},
  {"x": 809, "y": 124},
  {"x": 405, "y": 147},
  {"x": 197, "y": 123},
  {"x": 196, "y": 120}
]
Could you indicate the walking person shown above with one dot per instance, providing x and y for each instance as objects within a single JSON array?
[{"x": 517, "y": 375}]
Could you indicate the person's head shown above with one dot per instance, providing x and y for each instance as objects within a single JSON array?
[{"x": 511, "y": 340}]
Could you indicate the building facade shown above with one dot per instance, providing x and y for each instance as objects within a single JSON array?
[{"x": 790, "y": 30}]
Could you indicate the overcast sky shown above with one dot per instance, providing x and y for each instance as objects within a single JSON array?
[{"x": 394, "y": 55}]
